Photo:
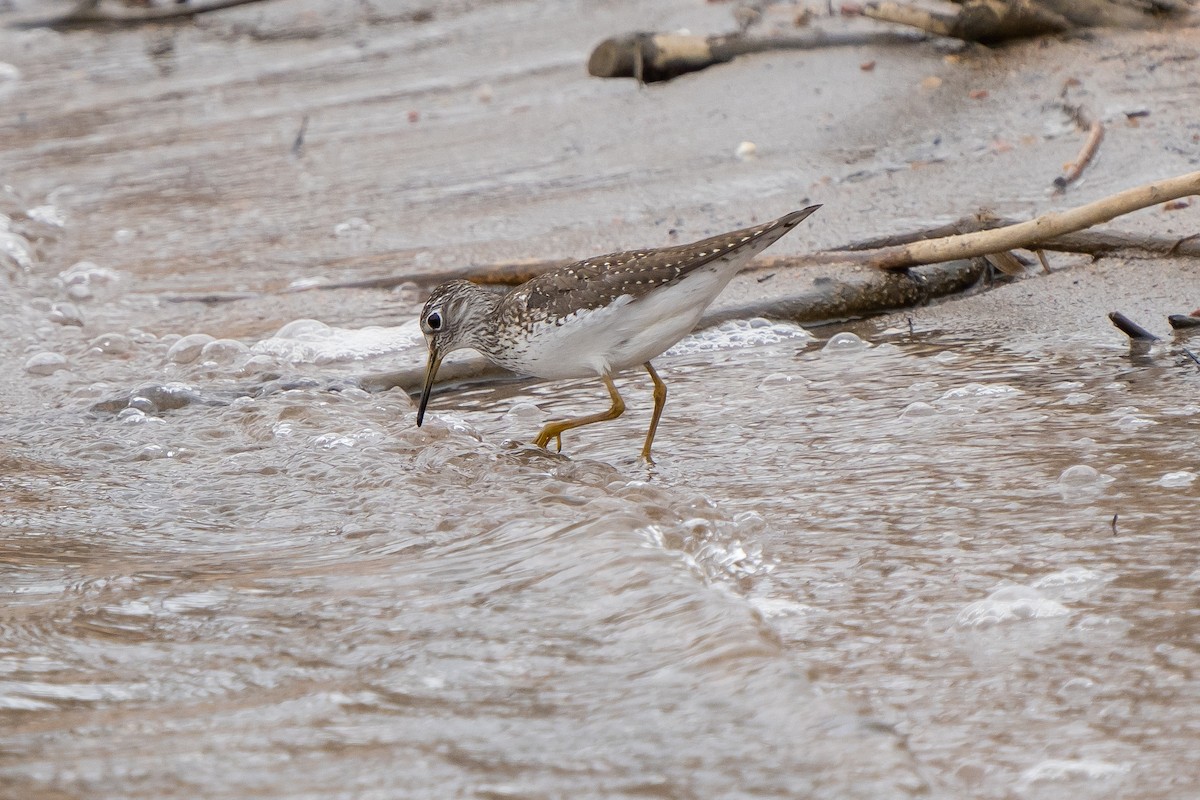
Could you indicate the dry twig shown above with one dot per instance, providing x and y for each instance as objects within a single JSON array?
[
  {"x": 1090, "y": 146},
  {"x": 1035, "y": 232}
]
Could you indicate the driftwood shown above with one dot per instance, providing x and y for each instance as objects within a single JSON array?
[
  {"x": 651, "y": 57},
  {"x": 998, "y": 20}
]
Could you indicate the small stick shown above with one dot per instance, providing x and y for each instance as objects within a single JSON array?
[
  {"x": 1090, "y": 146},
  {"x": 1007, "y": 262},
  {"x": 1041, "y": 254},
  {"x": 1130, "y": 328}
]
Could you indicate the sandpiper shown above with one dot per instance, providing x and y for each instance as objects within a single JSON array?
[{"x": 593, "y": 318}]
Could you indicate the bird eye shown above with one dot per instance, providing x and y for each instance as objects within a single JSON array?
[{"x": 434, "y": 321}]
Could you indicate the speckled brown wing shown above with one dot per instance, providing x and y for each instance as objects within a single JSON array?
[{"x": 598, "y": 281}]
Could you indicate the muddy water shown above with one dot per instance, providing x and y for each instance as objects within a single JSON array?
[{"x": 953, "y": 562}]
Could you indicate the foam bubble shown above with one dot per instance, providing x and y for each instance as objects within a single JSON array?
[
  {"x": 312, "y": 341},
  {"x": 1009, "y": 604},
  {"x": 1071, "y": 576},
  {"x": 981, "y": 390},
  {"x": 1072, "y": 583},
  {"x": 773, "y": 607},
  {"x": 83, "y": 278},
  {"x": 131, "y": 416},
  {"x": 48, "y": 215},
  {"x": 1177, "y": 480},
  {"x": 223, "y": 351},
  {"x": 188, "y": 349},
  {"x": 1079, "y": 476},
  {"x": 739, "y": 333},
  {"x": 46, "y": 363},
  {"x": 918, "y": 410},
  {"x": 524, "y": 412},
  {"x": 1057, "y": 770},
  {"x": 777, "y": 379},
  {"x": 1132, "y": 422},
  {"x": 111, "y": 344},
  {"x": 844, "y": 342},
  {"x": 16, "y": 249},
  {"x": 1081, "y": 483}
]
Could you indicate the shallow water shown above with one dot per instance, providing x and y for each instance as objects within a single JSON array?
[
  {"x": 859, "y": 568},
  {"x": 917, "y": 563}
]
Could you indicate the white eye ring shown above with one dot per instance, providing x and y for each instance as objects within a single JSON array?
[{"x": 434, "y": 321}]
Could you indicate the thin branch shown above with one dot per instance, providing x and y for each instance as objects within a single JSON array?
[
  {"x": 1090, "y": 146},
  {"x": 1035, "y": 232}
]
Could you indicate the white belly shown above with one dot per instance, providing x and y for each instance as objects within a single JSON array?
[{"x": 625, "y": 333}]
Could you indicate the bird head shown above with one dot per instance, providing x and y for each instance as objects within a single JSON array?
[{"x": 450, "y": 319}]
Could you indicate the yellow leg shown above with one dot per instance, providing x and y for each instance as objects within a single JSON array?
[
  {"x": 660, "y": 400},
  {"x": 554, "y": 430}
]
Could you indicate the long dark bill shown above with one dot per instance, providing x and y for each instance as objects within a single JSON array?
[{"x": 435, "y": 361}]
